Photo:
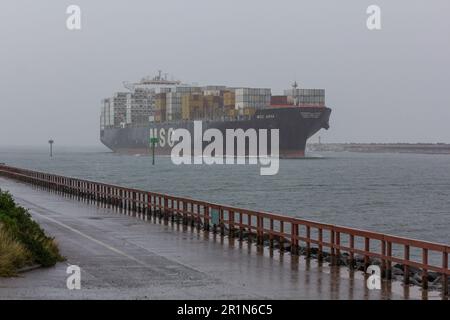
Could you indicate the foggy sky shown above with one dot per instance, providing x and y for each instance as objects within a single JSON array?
[{"x": 383, "y": 86}]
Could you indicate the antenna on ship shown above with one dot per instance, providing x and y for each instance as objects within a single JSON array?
[{"x": 128, "y": 85}]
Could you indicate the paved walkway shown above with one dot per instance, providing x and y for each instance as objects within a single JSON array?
[{"x": 124, "y": 257}]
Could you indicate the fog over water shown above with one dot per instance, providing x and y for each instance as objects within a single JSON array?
[{"x": 383, "y": 86}]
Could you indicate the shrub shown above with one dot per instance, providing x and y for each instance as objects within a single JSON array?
[
  {"x": 13, "y": 255},
  {"x": 22, "y": 231}
]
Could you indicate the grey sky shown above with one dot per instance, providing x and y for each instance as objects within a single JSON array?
[{"x": 383, "y": 86}]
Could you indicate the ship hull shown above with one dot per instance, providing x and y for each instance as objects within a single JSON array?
[{"x": 296, "y": 125}]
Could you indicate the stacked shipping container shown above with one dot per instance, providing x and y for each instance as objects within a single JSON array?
[
  {"x": 139, "y": 107},
  {"x": 113, "y": 112},
  {"x": 160, "y": 107},
  {"x": 248, "y": 100},
  {"x": 278, "y": 100},
  {"x": 229, "y": 104},
  {"x": 197, "y": 106},
  {"x": 168, "y": 102},
  {"x": 306, "y": 96},
  {"x": 173, "y": 101}
]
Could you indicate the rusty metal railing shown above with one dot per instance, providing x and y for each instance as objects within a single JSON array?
[{"x": 283, "y": 232}]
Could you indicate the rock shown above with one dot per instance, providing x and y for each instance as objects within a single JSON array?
[
  {"x": 438, "y": 280},
  {"x": 341, "y": 262},
  {"x": 415, "y": 282},
  {"x": 360, "y": 266},
  {"x": 397, "y": 272},
  {"x": 417, "y": 277},
  {"x": 375, "y": 262},
  {"x": 432, "y": 276},
  {"x": 397, "y": 277},
  {"x": 344, "y": 262},
  {"x": 414, "y": 270}
]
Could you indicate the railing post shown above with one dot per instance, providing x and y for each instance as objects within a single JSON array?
[
  {"x": 120, "y": 198},
  {"x": 366, "y": 249},
  {"x": 167, "y": 211},
  {"x": 261, "y": 230},
  {"x": 249, "y": 224},
  {"x": 332, "y": 248},
  {"x": 199, "y": 218},
  {"x": 133, "y": 201},
  {"x": 241, "y": 228},
  {"x": 221, "y": 222},
  {"x": 444, "y": 275},
  {"x": 425, "y": 270},
  {"x": 173, "y": 211},
  {"x": 389, "y": 261},
  {"x": 151, "y": 201},
  {"x": 383, "y": 259},
  {"x": 147, "y": 204},
  {"x": 109, "y": 195},
  {"x": 319, "y": 256},
  {"x": 338, "y": 244},
  {"x": 352, "y": 253},
  {"x": 161, "y": 207},
  {"x": 231, "y": 223},
  {"x": 178, "y": 210},
  {"x": 294, "y": 240},
  {"x": 406, "y": 267},
  {"x": 206, "y": 218},
  {"x": 271, "y": 233},
  {"x": 308, "y": 243},
  {"x": 185, "y": 215},
  {"x": 281, "y": 241},
  {"x": 192, "y": 214},
  {"x": 138, "y": 202}
]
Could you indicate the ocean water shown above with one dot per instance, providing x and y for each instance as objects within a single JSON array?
[{"x": 401, "y": 194}]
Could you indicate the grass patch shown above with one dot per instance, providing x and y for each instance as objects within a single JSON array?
[{"x": 22, "y": 240}]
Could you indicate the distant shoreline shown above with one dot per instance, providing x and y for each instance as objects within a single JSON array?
[{"x": 420, "y": 148}]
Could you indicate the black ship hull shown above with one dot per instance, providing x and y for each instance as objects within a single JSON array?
[{"x": 296, "y": 125}]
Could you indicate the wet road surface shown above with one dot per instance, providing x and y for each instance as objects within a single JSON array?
[{"x": 124, "y": 257}]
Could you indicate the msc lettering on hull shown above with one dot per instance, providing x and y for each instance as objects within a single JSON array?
[{"x": 211, "y": 146}]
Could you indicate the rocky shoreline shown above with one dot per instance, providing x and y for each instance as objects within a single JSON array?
[{"x": 418, "y": 148}]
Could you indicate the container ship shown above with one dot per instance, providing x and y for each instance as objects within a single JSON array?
[{"x": 155, "y": 107}]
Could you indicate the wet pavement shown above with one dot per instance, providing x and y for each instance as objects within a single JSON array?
[{"x": 124, "y": 257}]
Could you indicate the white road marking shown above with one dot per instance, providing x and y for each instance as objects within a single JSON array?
[{"x": 92, "y": 239}]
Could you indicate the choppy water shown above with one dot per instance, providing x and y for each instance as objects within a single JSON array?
[{"x": 401, "y": 194}]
